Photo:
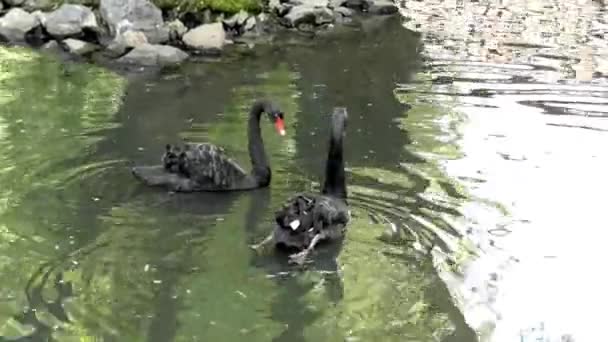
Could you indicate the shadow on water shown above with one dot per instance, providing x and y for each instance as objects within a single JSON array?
[{"x": 163, "y": 267}]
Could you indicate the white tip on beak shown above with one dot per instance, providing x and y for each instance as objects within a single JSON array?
[{"x": 282, "y": 132}]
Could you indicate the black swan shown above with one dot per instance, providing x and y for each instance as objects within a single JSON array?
[
  {"x": 307, "y": 219},
  {"x": 205, "y": 167}
]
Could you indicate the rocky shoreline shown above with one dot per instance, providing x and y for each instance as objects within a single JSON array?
[{"x": 138, "y": 33}]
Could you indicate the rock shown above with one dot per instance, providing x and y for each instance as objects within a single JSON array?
[
  {"x": 336, "y": 3},
  {"x": 345, "y": 12},
  {"x": 124, "y": 41},
  {"x": 249, "y": 24},
  {"x": 69, "y": 20},
  {"x": 138, "y": 15},
  {"x": 78, "y": 47},
  {"x": 51, "y": 45},
  {"x": 304, "y": 14},
  {"x": 279, "y": 8},
  {"x": 16, "y": 23},
  {"x": 354, "y": 4},
  {"x": 382, "y": 7},
  {"x": 154, "y": 55},
  {"x": 343, "y": 15},
  {"x": 133, "y": 38},
  {"x": 33, "y": 5},
  {"x": 312, "y": 3},
  {"x": 116, "y": 48},
  {"x": 40, "y": 16},
  {"x": 206, "y": 37},
  {"x": 176, "y": 29},
  {"x": 1, "y": 6},
  {"x": 237, "y": 20}
]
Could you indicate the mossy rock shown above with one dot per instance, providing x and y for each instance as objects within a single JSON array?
[
  {"x": 184, "y": 6},
  {"x": 225, "y": 6}
]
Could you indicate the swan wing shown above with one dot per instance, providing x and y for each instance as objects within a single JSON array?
[{"x": 208, "y": 164}]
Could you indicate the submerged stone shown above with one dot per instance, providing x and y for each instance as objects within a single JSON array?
[
  {"x": 154, "y": 55},
  {"x": 303, "y": 14},
  {"x": 79, "y": 47}
]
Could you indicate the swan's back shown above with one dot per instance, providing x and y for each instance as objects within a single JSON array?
[
  {"x": 208, "y": 165},
  {"x": 304, "y": 212}
]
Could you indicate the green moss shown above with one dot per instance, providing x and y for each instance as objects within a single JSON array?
[
  {"x": 183, "y": 6},
  {"x": 227, "y": 6}
]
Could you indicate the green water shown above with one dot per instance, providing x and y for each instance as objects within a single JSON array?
[{"x": 87, "y": 253}]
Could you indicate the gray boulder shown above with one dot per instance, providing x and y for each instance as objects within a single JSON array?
[
  {"x": 382, "y": 7},
  {"x": 16, "y": 23},
  {"x": 78, "y": 47},
  {"x": 206, "y": 37},
  {"x": 136, "y": 15},
  {"x": 305, "y": 14},
  {"x": 69, "y": 20},
  {"x": 154, "y": 55}
]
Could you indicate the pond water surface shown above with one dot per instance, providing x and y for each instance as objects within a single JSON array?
[{"x": 440, "y": 147}]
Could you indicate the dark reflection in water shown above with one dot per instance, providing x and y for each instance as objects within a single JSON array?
[{"x": 177, "y": 266}]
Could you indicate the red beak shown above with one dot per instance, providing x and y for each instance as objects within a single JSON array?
[{"x": 280, "y": 126}]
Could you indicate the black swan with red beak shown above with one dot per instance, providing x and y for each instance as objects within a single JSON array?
[
  {"x": 205, "y": 167},
  {"x": 307, "y": 219}
]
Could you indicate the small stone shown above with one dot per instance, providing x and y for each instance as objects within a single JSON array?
[
  {"x": 250, "y": 24},
  {"x": 382, "y": 7},
  {"x": 176, "y": 29},
  {"x": 344, "y": 11},
  {"x": 336, "y": 3},
  {"x": 206, "y": 37},
  {"x": 78, "y": 47},
  {"x": 311, "y": 3},
  {"x": 300, "y": 16},
  {"x": 51, "y": 45},
  {"x": 354, "y": 4},
  {"x": 16, "y": 23},
  {"x": 154, "y": 55},
  {"x": 237, "y": 20}
]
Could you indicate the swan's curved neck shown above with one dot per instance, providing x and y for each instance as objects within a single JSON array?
[
  {"x": 257, "y": 153},
  {"x": 335, "y": 179}
]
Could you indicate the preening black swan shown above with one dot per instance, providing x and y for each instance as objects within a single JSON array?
[
  {"x": 307, "y": 219},
  {"x": 205, "y": 167}
]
